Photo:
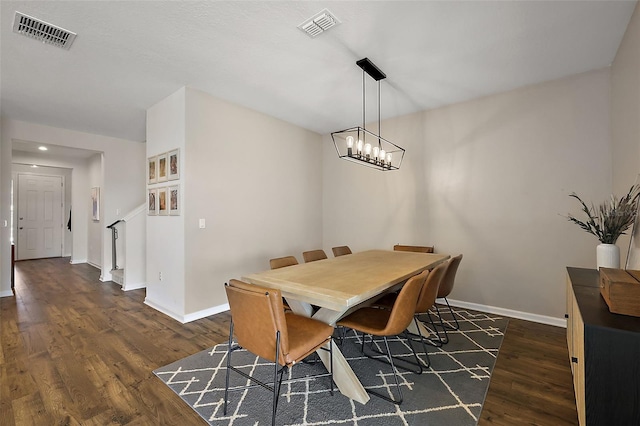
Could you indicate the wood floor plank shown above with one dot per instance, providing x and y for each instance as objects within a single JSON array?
[{"x": 77, "y": 351}]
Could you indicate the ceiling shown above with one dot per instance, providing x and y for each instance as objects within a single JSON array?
[
  {"x": 130, "y": 55},
  {"x": 31, "y": 149}
]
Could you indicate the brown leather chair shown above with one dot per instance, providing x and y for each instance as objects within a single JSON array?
[
  {"x": 445, "y": 289},
  {"x": 313, "y": 255},
  {"x": 261, "y": 326},
  {"x": 417, "y": 249},
  {"x": 426, "y": 300},
  {"x": 281, "y": 262},
  {"x": 341, "y": 251},
  {"x": 385, "y": 323}
]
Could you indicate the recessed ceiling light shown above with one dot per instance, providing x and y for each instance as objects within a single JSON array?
[
  {"x": 34, "y": 166},
  {"x": 43, "y": 148}
]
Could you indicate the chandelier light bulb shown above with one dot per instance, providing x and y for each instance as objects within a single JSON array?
[
  {"x": 350, "y": 141},
  {"x": 350, "y": 146}
]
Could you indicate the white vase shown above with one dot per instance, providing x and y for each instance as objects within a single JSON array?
[{"x": 608, "y": 256}]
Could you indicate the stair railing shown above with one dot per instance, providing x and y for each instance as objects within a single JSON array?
[{"x": 114, "y": 237}]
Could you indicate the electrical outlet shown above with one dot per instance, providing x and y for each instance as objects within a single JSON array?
[{"x": 160, "y": 276}]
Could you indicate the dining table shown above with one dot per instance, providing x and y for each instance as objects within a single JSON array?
[{"x": 330, "y": 289}]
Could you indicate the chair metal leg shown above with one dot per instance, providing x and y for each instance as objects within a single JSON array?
[
  {"x": 331, "y": 364},
  {"x": 395, "y": 376},
  {"x": 444, "y": 327},
  {"x": 276, "y": 389},
  {"x": 424, "y": 346},
  {"x": 226, "y": 386},
  {"x": 453, "y": 314},
  {"x": 439, "y": 340}
]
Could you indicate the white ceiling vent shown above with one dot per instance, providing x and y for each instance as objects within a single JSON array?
[
  {"x": 42, "y": 31},
  {"x": 319, "y": 23}
]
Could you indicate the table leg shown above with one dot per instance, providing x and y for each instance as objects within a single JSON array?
[
  {"x": 413, "y": 329},
  {"x": 300, "y": 308},
  {"x": 343, "y": 375}
]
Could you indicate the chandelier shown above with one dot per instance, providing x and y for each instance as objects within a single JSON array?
[{"x": 362, "y": 146}]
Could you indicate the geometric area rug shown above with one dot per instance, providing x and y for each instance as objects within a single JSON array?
[{"x": 450, "y": 392}]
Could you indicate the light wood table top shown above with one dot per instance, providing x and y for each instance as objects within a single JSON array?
[
  {"x": 339, "y": 285},
  {"x": 343, "y": 282}
]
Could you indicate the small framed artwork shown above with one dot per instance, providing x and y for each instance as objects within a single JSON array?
[
  {"x": 174, "y": 164},
  {"x": 153, "y": 202},
  {"x": 95, "y": 203},
  {"x": 163, "y": 202},
  {"x": 174, "y": 200},
  {"x": 162, "y": 167},
  {"x": 152, "y": 170}
]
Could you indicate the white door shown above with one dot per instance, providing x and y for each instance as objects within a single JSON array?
[{"x": 39, "y": 216}]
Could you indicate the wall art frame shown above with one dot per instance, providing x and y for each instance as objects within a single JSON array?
[
  {"x": 152, "y": 170},
  {"x": 163, "y": 201},
  {"x": 163, "y": 170},
  {"x": 95, "y": 203},
  {"x": 152, "y": 202},
  {"x": 173, "y": 164},
  {"x": 174, "y": 200}
]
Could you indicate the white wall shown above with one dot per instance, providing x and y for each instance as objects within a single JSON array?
[
  {"x": 123, "y": 177},
  {"x": 165, "y": 234},
  {"x": 5, "y": 214},
  {"x": 490, "y": 179},
  {"x": 625, "y": 114},
  {"x": 256, "y": 180},
  {"x": 96, "y": 227}
]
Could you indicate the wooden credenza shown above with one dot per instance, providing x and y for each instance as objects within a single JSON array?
[{"x": 604, "y": 352}]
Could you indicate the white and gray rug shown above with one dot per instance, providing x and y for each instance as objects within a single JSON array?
[{"x": 451, "y": 392}]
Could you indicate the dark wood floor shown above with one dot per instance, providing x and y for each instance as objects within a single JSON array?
[{"x": 78, "y": 351}]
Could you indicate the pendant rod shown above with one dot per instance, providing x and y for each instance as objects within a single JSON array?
[
  {"x": 363, "y": 100},
  {"x": 379, "y": 142}
]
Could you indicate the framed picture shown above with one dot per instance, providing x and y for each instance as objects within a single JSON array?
[
  {"x": 95, "y": 203},
  {"x": 152, "y": 201},
  {"x": 163, "y": 170},
  {"x": 174, "y": 164},
  {"x": 152, "y": 170},
  {"x": 174, "y": 200},
  {"x": 163, "y": 202}
]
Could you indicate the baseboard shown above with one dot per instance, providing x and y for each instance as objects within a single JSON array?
[
  {"x": 206, "y": 312},
  {"x": 189, "y": 317},
  {"x": 105, "y": 276},
  {"x": 134, "y": 286},
  {"x": 77, "y": 261},
  {"x": 542, "y": 319},
  {"x": 6, "y": 293},
  {"x": 95, "y": 265},
  {"x": 162, "y": 309}
]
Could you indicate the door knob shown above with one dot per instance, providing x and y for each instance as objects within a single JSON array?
[{"x": 21, "y": 227}]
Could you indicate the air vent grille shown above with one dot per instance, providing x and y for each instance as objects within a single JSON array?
[
  {"x": 42, "y": 31},
  {"x": 319, "y": 23}
]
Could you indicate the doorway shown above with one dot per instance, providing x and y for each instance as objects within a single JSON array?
[{"x": 39, "y": 216}]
